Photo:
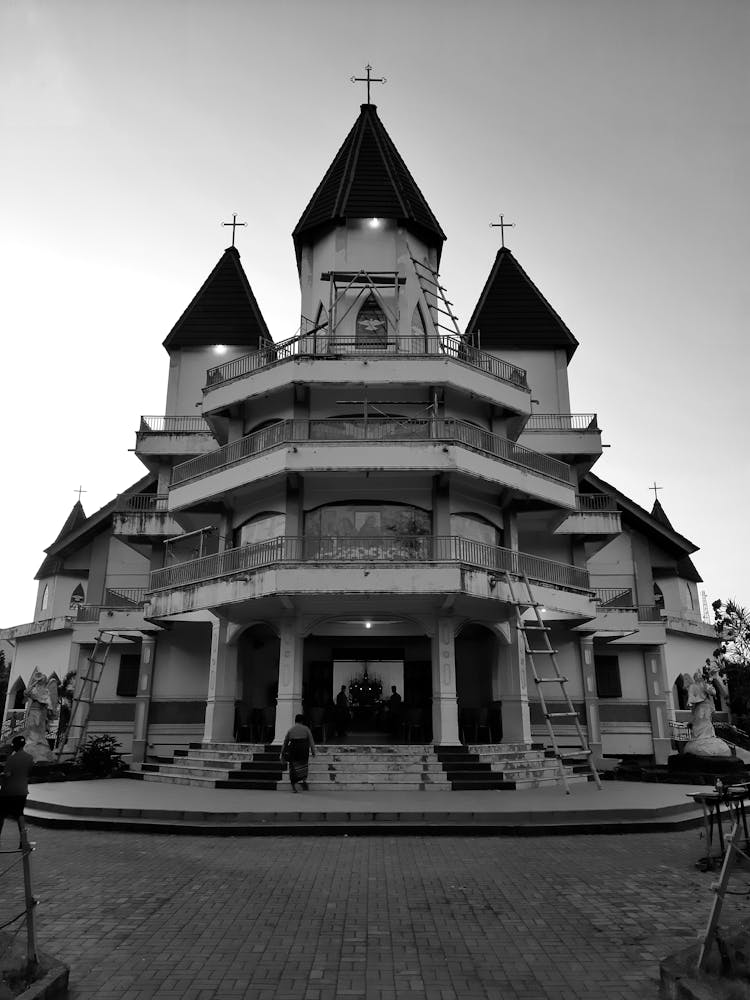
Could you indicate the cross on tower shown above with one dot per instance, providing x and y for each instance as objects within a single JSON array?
[
  {"x": 368, "y": 80},
  {"x": 656, "y": 489},
  {"x": 502, "y": 225},
  {"x": 79, "y": 491},
  {"x": 234, "y": 223}
]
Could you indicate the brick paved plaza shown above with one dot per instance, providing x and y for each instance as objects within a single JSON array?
[{"x": 381, "y": 918}]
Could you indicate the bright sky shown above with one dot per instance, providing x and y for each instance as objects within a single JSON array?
[{"x": 614, "y": 134}]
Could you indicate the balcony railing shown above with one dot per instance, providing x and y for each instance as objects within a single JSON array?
[
  {"x": 561, "y": 422},
  {"x": 614, "y": 598},
  {"x": 595, "y": 503},
  {"x": 650, "y": 613},
  {"x": 399, "y": 549},
  {"x": 321, "y": 344},
  {"x": 192, "y": 424},
  {"x": 115, "y": 599},
  {"x": 439, "y": 430},
  {"x": 141, "y": 503}
]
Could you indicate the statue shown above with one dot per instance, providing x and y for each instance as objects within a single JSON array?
[
  {"x": 41, "y": 704},
  {"x": 704, "y": 742}
]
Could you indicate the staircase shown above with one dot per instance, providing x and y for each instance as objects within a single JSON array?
[{"x": 342, "y": 768}]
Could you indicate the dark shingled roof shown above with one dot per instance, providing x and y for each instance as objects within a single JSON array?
[
  {"x": 368, "y": 179},
  {"x": 512, "y": 312},
  {"x": 224, "y": 311}
]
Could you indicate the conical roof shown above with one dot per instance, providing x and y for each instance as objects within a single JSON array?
[
  {"x": 75, "y": 519},
  {"x": 223, "y": 311},
  {"x": 368, "y": 179},
  {"x": 512, "y": 312},
  {"x": 657, "y": 512}
]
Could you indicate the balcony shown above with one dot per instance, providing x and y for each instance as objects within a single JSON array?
[
  {"x": 162, "y": 438},
  {"x": 144, "y": 516},
  {"x": 402, "y": 568},
  {"x": 596, "y": 519},
  {"x": 572, "y": 437},
  {"x": 124, "y": 604},
  {"x": 322, "y": 359},
  {"x": 350, "y": 445}
]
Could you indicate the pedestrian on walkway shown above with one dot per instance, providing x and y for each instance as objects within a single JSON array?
[
  {"x": 14, "y": 787},
  {"x": 296, "y": 749}
]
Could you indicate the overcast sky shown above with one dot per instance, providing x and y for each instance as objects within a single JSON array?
[{"x": 614, "y": 134}]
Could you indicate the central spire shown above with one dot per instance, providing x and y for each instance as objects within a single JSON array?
[{"x": 368, "y": 179}]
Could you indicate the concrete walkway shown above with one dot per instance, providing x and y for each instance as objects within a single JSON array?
[{"x": 620, "y": 806}]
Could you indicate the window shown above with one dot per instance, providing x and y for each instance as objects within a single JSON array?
[
  {"x": 607, "y": 670},
  {"x": 476, "y": 528},
  {"x": 127, "y": 677},
  {"x": 45, "y": 597},
  {"x": 77, "y": 597},
  {"x": 261, "y": 528},
  {"x": 658, "y": 596},
  {"x": 372, "y": 327},
  {"x": 418, "y": 325}
]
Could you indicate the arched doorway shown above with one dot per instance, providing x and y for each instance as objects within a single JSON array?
[
  {"x": 479, "y": 713},
  {"x": 258, "y": 683}
]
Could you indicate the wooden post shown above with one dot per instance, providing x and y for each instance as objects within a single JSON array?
[{"x": 26, "y": 849}]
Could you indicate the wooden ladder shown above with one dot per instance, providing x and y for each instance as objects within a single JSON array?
[
  {"x": 84, "y": 695},
  {"x": 539, "y": 628}
]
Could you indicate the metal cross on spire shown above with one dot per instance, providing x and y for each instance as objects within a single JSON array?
[
  {"x": 79, "y": 491},
  {"x": 368, "y": 80},
  {"x": 234, "y": 223},
  {"x": 502, "y": 225},
  {"x": 656, "y": 489}
]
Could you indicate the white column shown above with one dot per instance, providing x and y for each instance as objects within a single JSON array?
[
  {"x": 591, "y": 699},
  {"x": 444, "y": 701},
  {"x": 222, "y": 686},
  {"x": 289, "y": 699},
  {"x": 514, "y": 692},
  {"x": 659, "y": 692},
  {"x": 143, "y": 698}
]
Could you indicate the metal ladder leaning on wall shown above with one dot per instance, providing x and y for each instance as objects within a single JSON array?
[
  {"x": 539, "y": 628},
  {"x": 83, "y": 697}
]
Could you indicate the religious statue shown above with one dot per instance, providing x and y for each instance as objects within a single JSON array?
[
  {"x": 701, "y": 687},
  {"x": 41, "y": 705}
]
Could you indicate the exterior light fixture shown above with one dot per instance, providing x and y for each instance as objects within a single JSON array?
[
  {"x": 220, "y": 348},
  {"x": 374, "y": 223},
  {"x": 368, "y": 624}
]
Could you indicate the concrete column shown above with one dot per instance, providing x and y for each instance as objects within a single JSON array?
[
  {"x": 658, "y": 690},
  {"x": 444, "y": 701},
  {"x": 289, "y": 698},
  {"x": 441, "y": 505},
  {"x": 143, "y": 698},
  {"x": 222, "y": 686},
  {"x": 591, "y": 699},
  {"x": 510, "y": 529},
  {"x": 514, "y": 693}
]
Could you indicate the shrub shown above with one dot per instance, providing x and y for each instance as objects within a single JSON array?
[{"x": 101, "y": 756}]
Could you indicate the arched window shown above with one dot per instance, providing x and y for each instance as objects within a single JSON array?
[
  {"x": 77, "y": 597},
  {"x": 45, "y": 597},
  {"x": 418, "y": 325},
  {"x": 321, "y": 317},
  {"x": 261, "y": 528},
  {"x": 372, "y": 326},
  {"x": 476, "y": 528},
  {"x": 658, "y": 596}
]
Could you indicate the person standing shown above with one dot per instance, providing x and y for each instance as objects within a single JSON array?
[
  {"x": 296, "y": 749},
  {"x": 395, "y": 711},
  {"x": 342, "y": 713},
  {"x": 14, "y": 787}
]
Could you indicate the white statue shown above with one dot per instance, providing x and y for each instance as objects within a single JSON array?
[
  {"x": 704, "y": 742},
  {"x": 41, "y": 704}
]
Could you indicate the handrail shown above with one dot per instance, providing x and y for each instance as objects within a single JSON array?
[
  {"x": 649, "y": 613},
  {"x": 600, "y": 503},
  {"x": 357, "y": 549},
  {"x": 609, "y": 595},
  {"x": 321, "y": 344},
  {"x": 561, "y": 422},
  {"x": 391, "y": 429},
  {"x": 115, "y": 599},
  {"x": 190, "y": 424},
  {"x": 141, "y": 502}
]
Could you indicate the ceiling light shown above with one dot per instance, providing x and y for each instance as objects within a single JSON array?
[
  {"x": 374, "y": 223},
  {"x": 220, "y": 349},
  {"x": 368, "y": 624}
]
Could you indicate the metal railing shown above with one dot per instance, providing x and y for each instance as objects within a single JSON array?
[
  {"x": 356, "y": 549},
  {"x": 560, "y": 422},
  {"x": 139, "y": 503},
  {"x": 13, "y": 723},
  {"x": 595, "y": 503},
  {"x": 321, "y": 344},
  {"x": 378, "y": 429},
  {"x": 191, "y": 424},
  {"x": 615, "y": 598},
  {"x": 649, "y": 613},
  {"x": 115, "y": 599}
]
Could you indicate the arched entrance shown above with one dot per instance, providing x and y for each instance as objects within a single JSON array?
[
  {"x": 258, "y": 683},
  {"x": 479, "y": 710},
  {"x": 368, "y": 658}
]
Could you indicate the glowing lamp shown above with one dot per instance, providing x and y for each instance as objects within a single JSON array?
[
  {"x": 374, "y": 223},
  {"x": 220, "y": 349}
]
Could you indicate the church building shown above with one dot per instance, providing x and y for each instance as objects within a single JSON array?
[{"x": 360, "y": 507}]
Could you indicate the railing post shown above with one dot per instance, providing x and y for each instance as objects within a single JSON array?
[{"x": 32, "y": 960}]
